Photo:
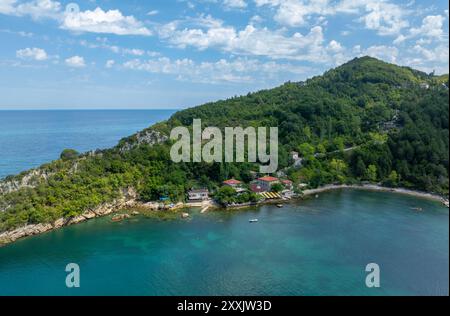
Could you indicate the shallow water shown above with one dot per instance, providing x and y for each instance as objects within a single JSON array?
[{"x": 313, "y": 247}]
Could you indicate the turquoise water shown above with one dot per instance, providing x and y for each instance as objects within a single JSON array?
[
  {"x": 31, "y": 138},
  {"x": 314, "y": 247}
]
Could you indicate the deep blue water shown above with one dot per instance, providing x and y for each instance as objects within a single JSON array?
[
  {"x": 314, "y": 247},
  {"x": 31, "y": 138}
]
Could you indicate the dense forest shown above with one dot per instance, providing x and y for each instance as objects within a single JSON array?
[{"x": 365, "y": 121}]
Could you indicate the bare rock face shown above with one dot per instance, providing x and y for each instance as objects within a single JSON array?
[
  {"x": 25, "y": 231},
  {"x": 76, "y": 220},
  {"x": 29, "y": 180},
  {"x": 149, "y": 137},
  {"x": 89, "y": 215},
  {"x": 59, "y": 223}
]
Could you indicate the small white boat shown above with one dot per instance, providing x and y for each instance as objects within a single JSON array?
[{"x": 253, "y": 220}]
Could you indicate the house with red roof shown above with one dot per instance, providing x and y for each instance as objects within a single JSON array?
[
  {"x": 266, "y": 183},
  {"x": 288, "y": 184},
  {"x": 232, "y": 182}
]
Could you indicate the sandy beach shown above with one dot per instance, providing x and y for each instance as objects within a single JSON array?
[{"x": 373, "y": 187}]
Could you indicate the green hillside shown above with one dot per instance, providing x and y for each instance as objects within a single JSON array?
[{"x": 363, "y": 121}]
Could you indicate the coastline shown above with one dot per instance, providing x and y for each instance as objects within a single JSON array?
[
  {"x": 377, "y": 188},
  {"x": 129, "y": 202}
]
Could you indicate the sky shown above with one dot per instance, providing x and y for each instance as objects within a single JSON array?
[{"x": 110, "y": 54}]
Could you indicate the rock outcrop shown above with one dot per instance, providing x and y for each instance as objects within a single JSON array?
[
  {"x": 29, "y": 180},
  {"x": 149, "y": 137}
]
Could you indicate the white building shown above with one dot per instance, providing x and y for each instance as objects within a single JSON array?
[{"x": 198, "y": 195}]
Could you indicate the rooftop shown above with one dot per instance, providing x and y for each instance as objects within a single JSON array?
[
  {"x": 232, "y": 181},
  {"x": 268, "y": 179},
  {"x": 199, "y": 191}
]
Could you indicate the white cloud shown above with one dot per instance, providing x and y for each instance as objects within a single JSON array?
[
  {"x": 110, "y": 63},
  {"x": 240, "y": 70},
  {"x": 7, "y": 6},
  {"x": 335, "y": 46},
  {"x": 32, "y": 53},
  {"x": 133, "y": 51},
  {"x": 99, "y": 21},
  {"x": 382, "y": 16},
  {"x": 236, "y": 4},
  {"x": 20, "y": 33},
  {"x": 75, "y": 62},
  {"x": 152, "y": 12},
  {"x": 431, "y": 59},
  {"x": 386, "y": 53},
  {"x": 385, "y": 18},
  {"x": 103, "y": 43},
  {"x": 431, "y": 28},
  {"x": 37, "y": 9},
  {"x": 212, "y": 33},
  {"x": 96, "y": 21}
]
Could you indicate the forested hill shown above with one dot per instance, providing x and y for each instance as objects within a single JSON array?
[{"x": 366, "y": 120}]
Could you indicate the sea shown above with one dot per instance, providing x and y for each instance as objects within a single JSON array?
[
  {"x": 327, "y": 245},
  {"x": 31, "y": 138}
]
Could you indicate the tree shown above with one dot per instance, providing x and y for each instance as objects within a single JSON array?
[
  {"x": 360, "y": 167},
  {"x": 393, "y": 179},
  {"x": 306, "y": 150},
  {"x": 338, "y": 165},
  {"x": 69, "y": 154},
  {"x": 277, "y": 187},
  {"x": 226, "y": 195},
  {"x": 321, "y": 148},
  {"x": 372, "y": 173}
]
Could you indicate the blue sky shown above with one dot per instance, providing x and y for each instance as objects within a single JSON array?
[{"x": 180, "y": 53}]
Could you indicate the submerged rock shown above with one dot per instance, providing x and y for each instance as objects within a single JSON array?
[{"x": 120, "y": 217}]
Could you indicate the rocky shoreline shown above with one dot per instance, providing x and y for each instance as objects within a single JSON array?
[{"x": 36, "y": 229}]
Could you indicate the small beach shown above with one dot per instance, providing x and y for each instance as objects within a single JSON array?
[{"x": 373, "y": 187}]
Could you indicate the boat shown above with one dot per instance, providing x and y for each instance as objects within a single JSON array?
[
  {"x": 280, "y": 205},
  {"x": 419, "y": 209},
  {"x": 253, "y": 220}
]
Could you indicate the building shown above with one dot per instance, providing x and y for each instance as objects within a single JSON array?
[
  {"x": 288, "y": 184},
  {"x": 256, "y": 188},
  {"x": 295, "y": 156},
  {"x": 235, "y": 184},
  {"x": 232, "y": 183},
  {"x": 198, "y": 195},
  {"x": 267, "y": 182}
]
